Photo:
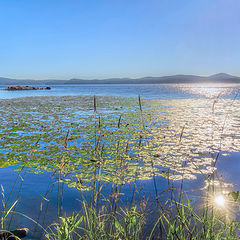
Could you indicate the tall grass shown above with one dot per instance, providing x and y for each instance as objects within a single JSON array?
[{"x": 177, "y": 220}]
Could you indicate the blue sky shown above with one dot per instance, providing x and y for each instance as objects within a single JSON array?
[{"x": 88, "y": 39}]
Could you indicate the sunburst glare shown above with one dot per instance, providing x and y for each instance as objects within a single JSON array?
[{"x": 219, "y": 200}]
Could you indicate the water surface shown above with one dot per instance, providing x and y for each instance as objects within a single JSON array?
[
  {"x": 188, "y": 131},
  {"x": 155, "y": 91}
]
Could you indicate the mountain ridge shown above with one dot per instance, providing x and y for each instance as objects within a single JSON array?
[{"x": 179, "y": 78}]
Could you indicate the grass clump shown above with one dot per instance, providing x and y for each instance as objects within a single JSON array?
[{"x": 176, "y": 221}]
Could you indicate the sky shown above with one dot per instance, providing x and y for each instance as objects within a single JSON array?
[{"x": 88, "y": 39}]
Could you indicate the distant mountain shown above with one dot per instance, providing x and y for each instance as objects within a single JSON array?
[
  {"x": 221, "y": 76},
  {"x": 216, "y": 78},
  {"x": 5, "y": 81},
  {"x": 10, "y": 81}
]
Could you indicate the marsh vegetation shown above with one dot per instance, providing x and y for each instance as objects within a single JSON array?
[{"x": 107, "y": 149}]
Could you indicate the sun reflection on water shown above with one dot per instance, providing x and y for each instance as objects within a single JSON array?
[
  {"x": 209, "y": 90},
  {"x": 219, "y": 200},
  {"x": 217, "y": 197}
]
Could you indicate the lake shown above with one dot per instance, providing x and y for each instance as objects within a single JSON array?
[
  {"x": 174, "y": 135},
  {"x": 149, "y": 91}
]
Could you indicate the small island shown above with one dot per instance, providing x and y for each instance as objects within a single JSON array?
[{"x": 16, "y": 88}]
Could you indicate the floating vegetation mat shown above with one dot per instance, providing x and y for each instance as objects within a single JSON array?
[{"x": 117, "y": 139}]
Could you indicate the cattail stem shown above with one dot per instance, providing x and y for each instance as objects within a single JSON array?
[
  {"x": 94, "y": 103},
  {"x": 139, "y": 102}
]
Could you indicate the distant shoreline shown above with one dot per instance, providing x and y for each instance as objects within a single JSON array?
[{"x": 175, "y": 79}]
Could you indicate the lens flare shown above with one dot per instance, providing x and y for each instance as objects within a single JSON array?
[{"x": 219, "y": 200}]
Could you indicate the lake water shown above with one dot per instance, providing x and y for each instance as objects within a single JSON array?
[
  {"x": 149, "y": 91},
  {"x": 186, "y": 124}
]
